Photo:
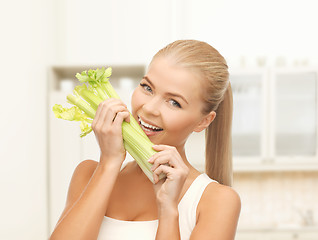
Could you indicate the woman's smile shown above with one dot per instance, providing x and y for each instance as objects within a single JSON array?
[{"x": 149, "y": 128}]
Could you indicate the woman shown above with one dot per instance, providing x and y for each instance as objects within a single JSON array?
[{"x": 186, "y": 89}]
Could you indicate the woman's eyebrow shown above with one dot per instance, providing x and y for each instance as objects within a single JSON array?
[
  {"x": 148, "y": 80},
  {"x": 170, "y": 94}
]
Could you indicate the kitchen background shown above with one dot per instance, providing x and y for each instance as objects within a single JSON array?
[{"x": 270, "y": 46}]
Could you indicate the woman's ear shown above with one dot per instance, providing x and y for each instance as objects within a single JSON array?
[{"x": 205, "y": 122}]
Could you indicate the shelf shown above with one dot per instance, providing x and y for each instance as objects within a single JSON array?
[
  {"x": 274, "y": 229},
  {"x": 274, "y": 166},
  {"x": 62, "y": 73},
  {"x": 256, "y": 165}
]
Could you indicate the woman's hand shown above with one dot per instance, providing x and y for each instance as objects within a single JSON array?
[
  {"x": 106, "y": 125},
  {"x": 169, "y": 162}
]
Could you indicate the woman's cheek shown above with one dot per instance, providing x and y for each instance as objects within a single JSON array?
[
  {"x": 181, "y": 123},
  {"x": 135, "y": 101}
]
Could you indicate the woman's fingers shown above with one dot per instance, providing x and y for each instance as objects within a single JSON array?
[
  {"x": 107, "y": 111},
  {"x": 163, "y": 158},
  {"x": 107, "y": 126},
  {"x": 120, "y": 117},
  {"x": 167, "y": 155},
  {"x": 162, "y": 147},
  {"x": 161, "y": 169},
  {"x": 108, "y": 116},
  {"x": 169, "y": 162}
]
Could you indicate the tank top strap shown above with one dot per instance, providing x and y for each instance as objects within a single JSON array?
[
  {"x": 127, "y": 160},
  {"x": 188, "y": 205}
]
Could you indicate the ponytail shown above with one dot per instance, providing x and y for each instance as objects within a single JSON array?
[{"x": 218, "y": 140}]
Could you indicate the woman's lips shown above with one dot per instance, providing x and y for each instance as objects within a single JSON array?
[{"x": 148, "y": 128}]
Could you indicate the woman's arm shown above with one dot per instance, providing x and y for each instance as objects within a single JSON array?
[
  {"x": 92, "y": 183},
  {"x": 87, "y": 201},
  {"x": 218, "y": 214},
  {"x": 169, "y": 162},
  {"x": 168, "y": 227}
]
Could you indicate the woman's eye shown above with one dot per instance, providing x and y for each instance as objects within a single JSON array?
[
  {"x": 174, "y": 103},
  {"x": 146, "y": 87}
]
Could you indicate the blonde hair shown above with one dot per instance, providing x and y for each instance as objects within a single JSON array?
[{"x": 206, "y": 61}]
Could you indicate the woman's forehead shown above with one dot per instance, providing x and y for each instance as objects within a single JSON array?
[{"x": 171, "y": 77}]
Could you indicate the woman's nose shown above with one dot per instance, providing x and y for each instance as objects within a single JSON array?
[{"x": 152, "y": 107}]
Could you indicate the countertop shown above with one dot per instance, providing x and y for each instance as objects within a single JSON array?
[{"x": 286, "y": 228}]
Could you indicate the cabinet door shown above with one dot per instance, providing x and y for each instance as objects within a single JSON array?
[
  {"x": 294, "y": 114},
  {"x": 64, "y": 155},
  {"x": 249, "y": 116}
]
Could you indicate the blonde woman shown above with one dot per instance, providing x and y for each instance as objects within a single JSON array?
[{"x": 186, "y": 89}]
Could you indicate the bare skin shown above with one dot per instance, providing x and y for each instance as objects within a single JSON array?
[{"x": 100, "y": 188}]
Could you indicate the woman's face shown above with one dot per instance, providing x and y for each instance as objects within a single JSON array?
[{"x": 167, "y": 103}]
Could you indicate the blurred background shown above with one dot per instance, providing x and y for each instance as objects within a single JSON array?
[{"x": 272, "y": 53}]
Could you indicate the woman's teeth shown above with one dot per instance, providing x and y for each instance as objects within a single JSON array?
[{"x": 147, "y": 126}]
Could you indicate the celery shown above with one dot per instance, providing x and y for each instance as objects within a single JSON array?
[
  {"x": 86, "y": 101},
  {"x": 84, "y": 106}
]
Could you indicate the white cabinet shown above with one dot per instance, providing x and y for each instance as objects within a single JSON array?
[
  {"x": 294, "y": 115},
  {"x": 249, "y": 115},
  {"x": 277, "y": 235},
  {"x": 275, "y": 119}
]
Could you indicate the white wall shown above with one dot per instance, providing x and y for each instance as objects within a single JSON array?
[
  {"x": 25, "y": 50},
  {"x": 256, "y": 29},
  {"x": 111, "y": 32},
  {"x": 132, "y": 31}
]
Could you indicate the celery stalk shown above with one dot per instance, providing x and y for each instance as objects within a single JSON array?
[
  {"x": 140, "y": 148},
  {"x": 113, "y": 94},
  {"x": 135, "y": 140},
  {"x": 101, "y": 93},
  {"x": 84, "y": 106},
  {"x": 139, "y": 161},
  {"x": 110, "y": 90},
  {"x": 90, "y": 97}
]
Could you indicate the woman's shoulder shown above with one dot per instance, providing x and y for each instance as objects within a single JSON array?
[
  {"x": 219, "y": 198},
  {"x": 81, "y": 176},
  {"x": 217, "y": 212},
  {"x": 219, "y": 192},
  {"x": 85, "y": 169},
  {"x": 86, "y": 166}
]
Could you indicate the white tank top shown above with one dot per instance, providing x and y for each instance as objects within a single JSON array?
[{"x": 113, "y": 229}]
